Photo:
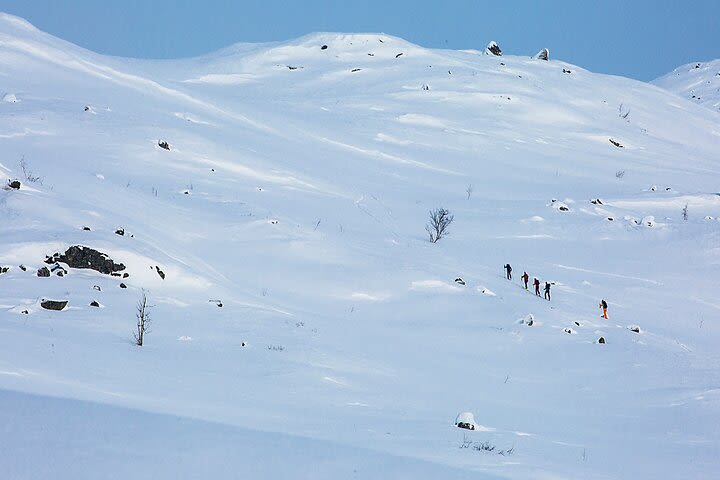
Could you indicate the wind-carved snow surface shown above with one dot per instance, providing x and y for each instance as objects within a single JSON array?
[{"x": 271, "y": 200}]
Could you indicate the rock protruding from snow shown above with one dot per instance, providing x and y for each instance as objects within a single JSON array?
[
  {"x": 543, "y": 54},
  {"x": 79, "y": 256},
  {"x": 466, "y": 420},
  {"x": 493, "y": 49},
  {"x": 10, "y": 98},
  {"x": 53, "y": 304}
]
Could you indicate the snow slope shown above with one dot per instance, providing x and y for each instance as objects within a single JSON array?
[
  {"x": 699, "y": 82},
  {"x": 295, "y": 192}
]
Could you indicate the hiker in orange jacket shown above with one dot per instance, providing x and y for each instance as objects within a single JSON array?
[{"x": 603, "y": 305}]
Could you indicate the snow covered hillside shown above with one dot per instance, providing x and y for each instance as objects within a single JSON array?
[
  {"x": 271, "y": 201},
  {"x": 699, "y": 82}
]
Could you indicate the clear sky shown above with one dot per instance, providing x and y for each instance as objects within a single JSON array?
[{"x": 641, "y": 39}]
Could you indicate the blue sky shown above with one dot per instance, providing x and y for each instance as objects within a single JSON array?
[{"x": 636, "y": 38}]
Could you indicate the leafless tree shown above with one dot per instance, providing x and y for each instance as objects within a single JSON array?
[
  {"x": 143, "y": 320},
  {"x": 440, "y": 220}
]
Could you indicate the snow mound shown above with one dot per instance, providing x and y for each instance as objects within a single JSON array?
[{"x": 10, "y": 98}]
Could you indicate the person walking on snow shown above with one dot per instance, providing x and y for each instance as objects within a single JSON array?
[
  {"x": 603, "y": 305},
  {"x": 536, "y": 283},
  {"x": 547, "y": 291},
  {"x": 525, "y": 277},
  {"x": 508, "y": 269}
]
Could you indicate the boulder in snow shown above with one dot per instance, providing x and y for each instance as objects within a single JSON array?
[
  {"x": 10, "y": 98},
  {"x": 543, "y": 54},
  {"x": 466, "y": 420},
  {"x": 43, "y": 272},
  {"x": 163, "y": 144},
  {"x": 13, "y": 185},
  {"x": 493, "y": 49},
  {"x": 460, "y": 281},
  {"x": 53, "y": 304},
  {"x": 160, "y": 272}
]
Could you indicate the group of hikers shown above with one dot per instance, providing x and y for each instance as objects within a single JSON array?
[
  {"x": 526, "y": 278},
  {"x": 536, "y": 283}
]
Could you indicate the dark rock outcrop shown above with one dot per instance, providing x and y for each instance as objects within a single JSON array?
[
  {"x": 53, "y": 304},
  {"x": 94, "y": 304},
  {"x": 163, "y": 144},
  {"x": 601, "y": 340},
  {"x": 14, "y": 184},
  {"x": 493, "y": 49},
  {"x": 122, "y": 285},
  {"x": 460, "y": 281},
  {"x": 43, "y": 272},
  {"x": 79, "y": 256}
]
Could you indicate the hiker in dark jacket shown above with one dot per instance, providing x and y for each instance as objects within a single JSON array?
[
  {"x": 508, "y": 269},
  {"x": 536, "y": 283},
  {"x": 525, "y": 277},
  {"x": 547, "y": 291}
]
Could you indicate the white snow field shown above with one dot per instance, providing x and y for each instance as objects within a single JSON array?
[
  {"x": 699, "y": 82},
  {"x": 295, "y": 193}
]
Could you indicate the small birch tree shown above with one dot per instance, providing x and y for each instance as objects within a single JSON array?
[
  {"x": 143, "y": 320},
  {"x": 440, "y": 220}
]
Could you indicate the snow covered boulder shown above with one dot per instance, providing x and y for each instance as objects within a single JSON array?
[
  {"x": 543, "y": 54},
  {"x": 10, "y": 98},
  {"x": 493, "y": 49},
  {"x": 466, "y": 420}
]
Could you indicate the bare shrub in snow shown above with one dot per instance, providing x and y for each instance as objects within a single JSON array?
[
  {"x": 440, "y": 220},
  {"x": 143, "y": 320},
  {"x": 469, "y": 190},
  {"x": 623, "y": 111},
  {"x": 685, "y": 212},
  {"x": 619, "y": 174},
  {"x": 27, "y": 173}
]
